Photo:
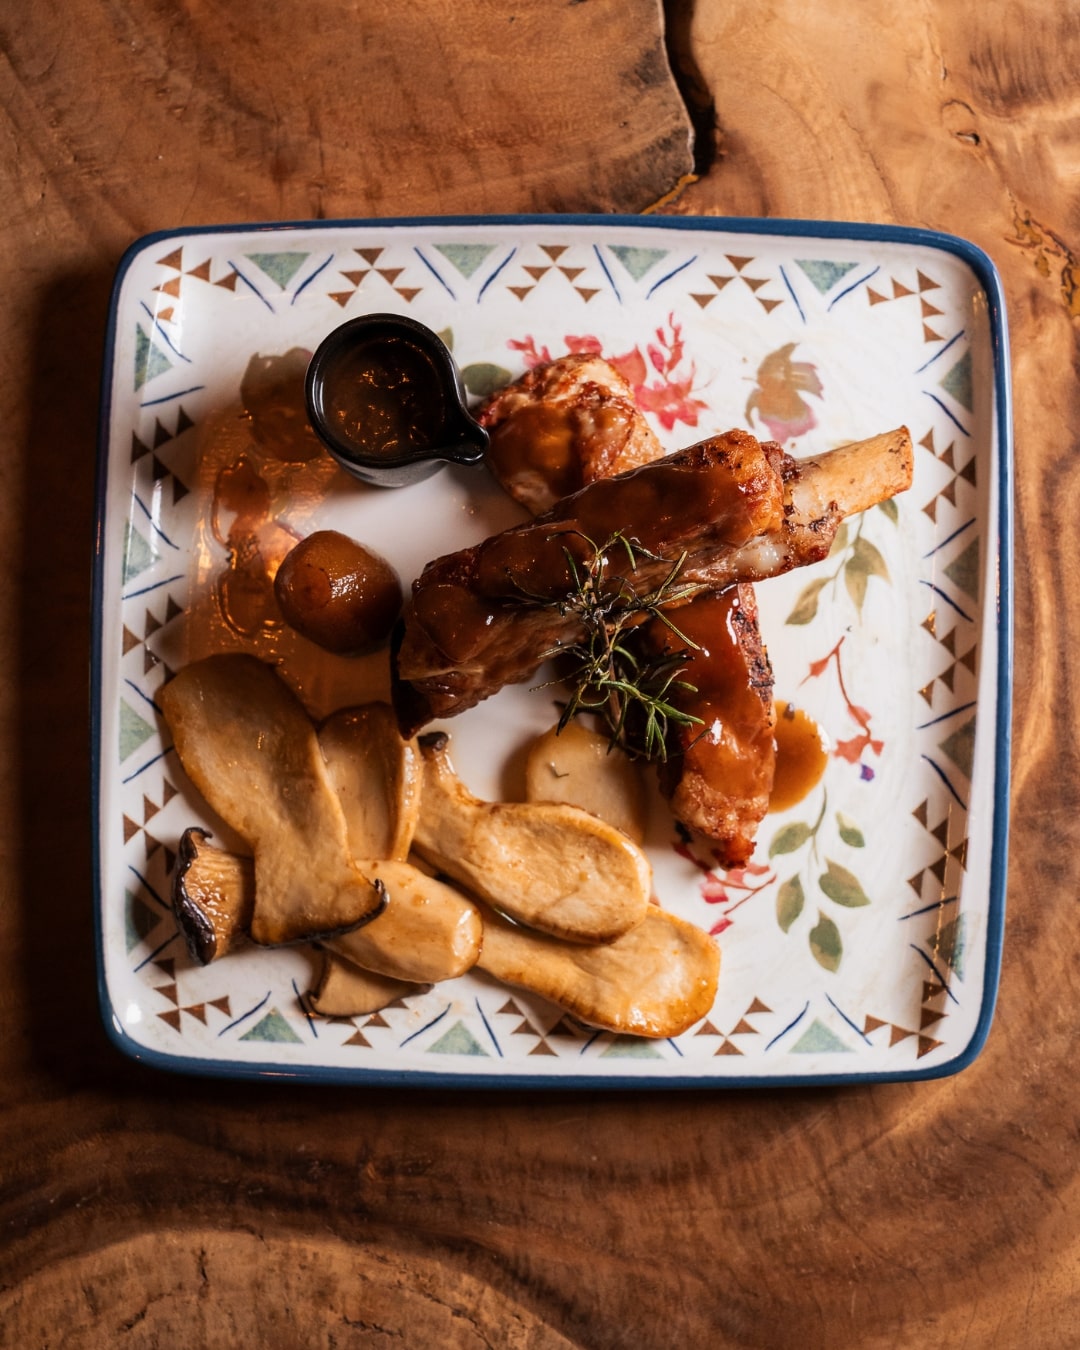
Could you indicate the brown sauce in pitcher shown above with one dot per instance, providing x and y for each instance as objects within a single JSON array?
[{"x": 385, "y": 398}]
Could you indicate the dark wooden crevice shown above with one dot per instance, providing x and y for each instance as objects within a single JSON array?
[{"x": 700, "y": 104}]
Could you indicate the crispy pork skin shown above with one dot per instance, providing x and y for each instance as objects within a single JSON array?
[{"x": 562, "y": 426}]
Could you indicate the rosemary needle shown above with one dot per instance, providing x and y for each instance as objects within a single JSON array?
[{"x": 633, "y": 693}]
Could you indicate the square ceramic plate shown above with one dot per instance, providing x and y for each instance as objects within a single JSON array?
[{"x": 864, "y": 940}]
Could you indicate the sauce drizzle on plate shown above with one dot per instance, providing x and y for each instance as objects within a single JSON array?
[{"x": 801, "y": 755}]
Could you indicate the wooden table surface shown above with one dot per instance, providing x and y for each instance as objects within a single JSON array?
[{"x": 141, "y": 1209}]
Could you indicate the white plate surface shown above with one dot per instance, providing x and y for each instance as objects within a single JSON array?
[{"x": 864, "y": 940}]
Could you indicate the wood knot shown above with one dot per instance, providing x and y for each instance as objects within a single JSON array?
[{"x": 959, "y": 120}]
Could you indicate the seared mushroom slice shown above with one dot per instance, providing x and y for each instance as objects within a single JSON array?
[
  {"x": 552, "y": 866},
  {"x": 344, "y": 990},
  {"x": 657, "y": 980},
  {"x": 429, "y": 932},
  {"x": 213, "y": 896},
  {"x": 582, "y": 768},
  {"x": 377, "y": 777},
  {"x": 247, "y": 744}
]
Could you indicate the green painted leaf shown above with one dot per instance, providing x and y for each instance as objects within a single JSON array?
[
  {"x": 790, "y": 899},
  {"x": 964, "y": 571},
  {"x": 630, "y": 1047},
  {"x": 484, "y": 377},
  {"x": 138, "y": 554},
  {"x": 825, "y": 943},
  {"x": 865, "y": 562},
  {"x": 459, "y": 1040},
  {"x": 824, "y": 273},
  {"x": 870, "y": 557},
  {"x": 890, "y": 508},
  {"x": 272, "y": 1027},
  {"x": 279, "y": 267},
  {"x": 819, "y": 1039},
  {"x": 855, "y": 579},
  {"x": 957, "y": 381},
  {"x": 135, "y": 731},
  {"x": 842, "y": 886},
  {"x": 807, "y": 603},
  {"x": 849, "y": 831},
  {"x": 466, "y": 257},
  {"x": 789, "y": 839},
  {"x": 150, "y": 360},
  {"x": 840, "y": 539},
  {"x": 446, "y": 335}
]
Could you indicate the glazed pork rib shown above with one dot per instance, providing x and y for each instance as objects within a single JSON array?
[
  {"x": 562, "y": 426},
  {"x": 739, "y": 510},
  {"x": 717, "y": 772}
]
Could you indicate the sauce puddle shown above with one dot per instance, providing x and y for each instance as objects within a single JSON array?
[{"x": 801, "y": 755}]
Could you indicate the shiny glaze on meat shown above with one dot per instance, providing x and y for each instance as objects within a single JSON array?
[
  {"x": 719, "y": 773},
  {"x": 563, "y": 425},
  {"x": 489, "y": 615}
]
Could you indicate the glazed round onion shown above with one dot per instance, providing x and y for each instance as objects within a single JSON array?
[{"x": 337, "y": 593}]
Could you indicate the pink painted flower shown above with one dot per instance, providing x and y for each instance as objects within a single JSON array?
[
  {"x": 850, "y": 750},
  {"x": 668, "y": 395},
  {"x": 533, "y": 355},
  {"x": 670, "y": 402}
]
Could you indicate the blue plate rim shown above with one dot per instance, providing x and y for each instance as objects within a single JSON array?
[{"x": 987, "y": 274}]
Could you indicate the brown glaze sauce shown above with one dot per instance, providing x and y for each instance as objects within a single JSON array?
[
  {"x": 728, "y": 495},
  {"x": 731, "y": 747},
  {"x": 801, "y": 755},
  {"x": 242, "y": 521},
  {"x": 272, "y": 392},
  {"x": 386, "y": 398},
  {"x": 544, "y": 441},
  {"x": 656, "y": 505}
]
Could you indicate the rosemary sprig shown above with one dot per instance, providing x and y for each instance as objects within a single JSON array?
[{"x": 631, "y": 692}]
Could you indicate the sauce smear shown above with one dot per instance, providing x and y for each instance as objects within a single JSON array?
[{"x": 801, "y": 756}]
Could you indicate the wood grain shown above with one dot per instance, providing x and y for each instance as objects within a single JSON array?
[
  {"x": 143, "y": 1210},
  {"x": 958, "y": 1217}
]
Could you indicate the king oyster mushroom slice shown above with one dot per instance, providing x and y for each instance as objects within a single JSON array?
[
  {"x": 377, "y": 776},
  {"x": 429, "y": 932},
  {"x": 344, "y": 990},
  {"x": 551, "y": 866},
  {"x": 657, "y": 980},
  {"x": 248, "y": 745},
  {"x": 213, "y": 896},
  {"x": 582, "y": 768}
]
